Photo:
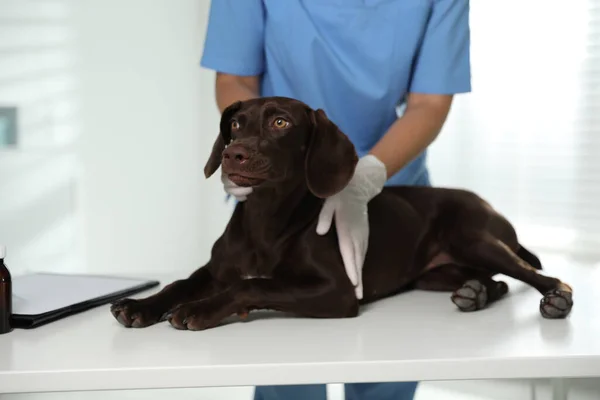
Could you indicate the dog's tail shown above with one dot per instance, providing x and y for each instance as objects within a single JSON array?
[{"x": 529, "y": 257}]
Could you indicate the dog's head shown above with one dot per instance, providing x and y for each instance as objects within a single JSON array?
[{"x": 271, "y": 141}]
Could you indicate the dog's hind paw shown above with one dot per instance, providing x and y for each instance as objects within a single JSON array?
[
  {"x": 471, "y": 296},
  {"x": 556, "y": 304}
]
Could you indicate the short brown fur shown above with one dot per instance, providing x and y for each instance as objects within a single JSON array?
[{"x": 270, "y": 256}]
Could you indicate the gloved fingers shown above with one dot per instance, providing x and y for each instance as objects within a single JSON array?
[
  {"x": 358, "y": 291},
  {"x": 359, "y": 258},
  {"x": 237, "y": 191},
  {"x": 347, "y": 250},
  {"x": 326, "y": 216},
  {"x": 360, "y": 249}
]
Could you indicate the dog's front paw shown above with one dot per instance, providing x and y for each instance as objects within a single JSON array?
[
  {"x": 556, "y": 304},
  {"x": 135, "y": 313},
  {"x": 192, "y": 316},
  {"x": 471, "y": 296}
]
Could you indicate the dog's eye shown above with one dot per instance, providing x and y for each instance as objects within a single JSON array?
[
  {"x": 235, "y": 125},
  {"x": 280, "y": 123}
]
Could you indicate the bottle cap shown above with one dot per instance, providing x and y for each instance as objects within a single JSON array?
[{"x": 2, "y": 252}]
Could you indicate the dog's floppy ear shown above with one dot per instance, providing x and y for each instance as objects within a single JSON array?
[
  {"x": 330, "y": 159},
  {"x": 223, "y": 139}
]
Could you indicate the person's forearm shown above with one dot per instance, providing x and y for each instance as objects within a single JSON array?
[
  {"x": 230, "y": 89},
  {"x": 413, "y": 132}
]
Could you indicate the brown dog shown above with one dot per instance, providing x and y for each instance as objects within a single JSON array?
[{"x": 270, "y": 256}]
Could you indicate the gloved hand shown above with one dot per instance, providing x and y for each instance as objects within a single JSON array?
[
  {"x": 239, "y": 192},
  {"x": 349, "y": 207}
]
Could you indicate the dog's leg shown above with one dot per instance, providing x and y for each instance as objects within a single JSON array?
[
  {"x": 493, "y": 255},
  {"x": 445, "y": 278},
  {"x": 323, "y": 301},
  {"x": 150, "y": 310},
  {"x": 472, "y": 289}
]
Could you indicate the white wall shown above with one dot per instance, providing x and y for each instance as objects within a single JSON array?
[
  {"x": 148, "y": 123},
  {"x": 38, "y": 208},
  {"x": 117, "y": 119}
]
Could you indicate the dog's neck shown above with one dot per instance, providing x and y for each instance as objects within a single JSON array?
[{"x": 270, "y": 212}]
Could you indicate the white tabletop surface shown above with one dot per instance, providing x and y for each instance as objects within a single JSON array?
[{"x": 414, "y": 336}]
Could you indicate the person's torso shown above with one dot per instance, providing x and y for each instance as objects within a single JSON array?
[{"x": 352, "y": 58}]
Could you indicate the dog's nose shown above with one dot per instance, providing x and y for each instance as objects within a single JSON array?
[{"x": 236, "y": 154}]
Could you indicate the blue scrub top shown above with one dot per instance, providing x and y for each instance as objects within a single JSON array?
[{"x": 355, "y": 59}]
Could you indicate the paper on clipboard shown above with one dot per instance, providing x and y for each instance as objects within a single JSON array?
[{"x": 42, "y": 293}]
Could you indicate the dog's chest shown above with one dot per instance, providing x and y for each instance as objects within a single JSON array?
[
  {"x": 253, "y": 255},
  {"x": 249, "y": 276},
  {"x": 251, "y": 264},
  {"x": 261, "y": 264}
]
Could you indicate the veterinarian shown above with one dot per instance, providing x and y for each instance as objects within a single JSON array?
[{"x": 358, "y": 60}]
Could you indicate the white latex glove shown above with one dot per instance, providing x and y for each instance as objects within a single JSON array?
[
  {"x": 351, "y": 219},
  {"x": 239, "y": 192}
]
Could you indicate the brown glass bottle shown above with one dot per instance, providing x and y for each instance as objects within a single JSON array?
[{"x": 5, "y": 294}]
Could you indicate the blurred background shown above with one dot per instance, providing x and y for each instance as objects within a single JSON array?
[{"x": 107, "y": 119}]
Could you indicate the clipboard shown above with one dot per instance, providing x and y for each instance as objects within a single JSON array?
[{"x": 42, "y": 298}]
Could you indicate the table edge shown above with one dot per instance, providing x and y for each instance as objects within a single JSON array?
[{"x": 307, "y": 373}]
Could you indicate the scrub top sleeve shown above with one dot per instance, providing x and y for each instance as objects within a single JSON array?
[
  {"x": 442, "y": 65},
  {"x": 234, "y": 41}
]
